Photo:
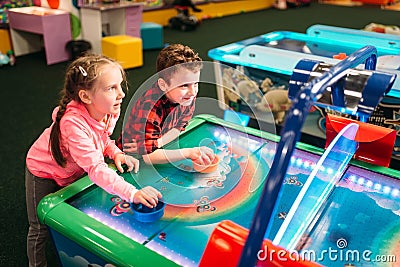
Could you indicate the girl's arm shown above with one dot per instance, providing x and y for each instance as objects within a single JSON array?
[{"x": 87, "y": 154}]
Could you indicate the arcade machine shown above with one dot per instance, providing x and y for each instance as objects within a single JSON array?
[
  {"x": 269, "y": 60},
  {"x": 206, "y": 218},
  {"x": 313, "y": 226}
]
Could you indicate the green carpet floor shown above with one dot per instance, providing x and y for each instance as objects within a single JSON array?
[{"x": 29, "y": 92}]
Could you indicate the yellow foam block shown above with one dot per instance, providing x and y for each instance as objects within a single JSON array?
[
  {"x": 5, "y": 41},
  {"x": 127, "y": 50}
]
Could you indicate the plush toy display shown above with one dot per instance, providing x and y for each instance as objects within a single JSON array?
[
  {"x": 262, "y": 95},
  {"x": 7, "y": 4}
]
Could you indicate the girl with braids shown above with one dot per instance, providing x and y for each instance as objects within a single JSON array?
[{"x": 77, "y": 142}]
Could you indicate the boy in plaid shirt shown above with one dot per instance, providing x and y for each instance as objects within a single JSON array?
[{"x": 164, "y": 110}]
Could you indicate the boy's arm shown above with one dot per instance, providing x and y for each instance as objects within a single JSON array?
[
  {"x": 162, "y": 156},
  {"x": 168, "y": 137}
]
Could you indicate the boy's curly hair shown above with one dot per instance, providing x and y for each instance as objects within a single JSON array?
[{"x": 177, "y": 54}]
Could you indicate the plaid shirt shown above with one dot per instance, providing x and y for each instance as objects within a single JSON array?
[{"x": 152, "y": 116}]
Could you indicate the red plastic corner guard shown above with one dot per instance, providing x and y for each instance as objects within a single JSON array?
[
  {"x": 376, "y": 143},
  {"x": 226, "y": 243}
]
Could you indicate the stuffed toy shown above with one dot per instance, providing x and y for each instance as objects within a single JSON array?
[
  {"x": 275, "y": 99},
  {"x": 230, "y": 91},
  {"x": 249, "y": 92}
]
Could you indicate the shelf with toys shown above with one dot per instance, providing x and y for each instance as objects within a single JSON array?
[{"x": 6, "y": 48}]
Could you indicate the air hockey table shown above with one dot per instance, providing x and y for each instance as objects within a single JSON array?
[
  {"x": 90, "y": 227},
  {"x": 320, "y": 42},
  {"x": 274, "y": 55}
]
